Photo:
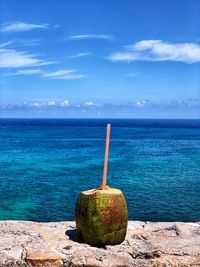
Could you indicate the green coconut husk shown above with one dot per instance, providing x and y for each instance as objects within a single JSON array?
[{"x": 102, "y": 216}]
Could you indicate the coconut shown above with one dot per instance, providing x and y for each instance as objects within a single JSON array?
[{"x": 102, "y": 216}]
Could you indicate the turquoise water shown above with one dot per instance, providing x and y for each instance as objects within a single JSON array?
[{"x": 45, "y": 163}]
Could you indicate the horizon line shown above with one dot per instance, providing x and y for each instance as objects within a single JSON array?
[{"x": 93, "y": 118}]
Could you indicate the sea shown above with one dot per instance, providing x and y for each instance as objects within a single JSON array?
[{"x": 46, "y": 163}]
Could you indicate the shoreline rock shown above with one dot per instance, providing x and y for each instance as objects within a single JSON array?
[{"x": 147, "y": 244}]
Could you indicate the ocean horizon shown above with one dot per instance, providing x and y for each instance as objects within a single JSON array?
[{"x": 45, "y": 163}]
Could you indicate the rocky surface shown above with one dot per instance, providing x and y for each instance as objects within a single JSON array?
[{"x": 163, "y": 244}]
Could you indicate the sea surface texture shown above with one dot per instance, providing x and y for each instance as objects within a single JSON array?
[{"x": 45, "y": 163}]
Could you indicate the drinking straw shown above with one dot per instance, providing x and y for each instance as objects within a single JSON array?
[{"x": 104, "y": 179}]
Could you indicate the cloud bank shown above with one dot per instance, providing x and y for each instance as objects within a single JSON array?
[
  {"x": 158, "y": 50},
  {"x": 138, "y": 104},
  {"x": 88, "y": 109}
]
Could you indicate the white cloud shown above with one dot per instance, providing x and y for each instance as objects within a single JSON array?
[
  {"x": 27, "y": 42},
  {"x": 45, "y": 104},
  {"x": 51, "y": 103},
  {"x": 64, "y": 103},
  {"x": 21, "y": 27},
  {"x": 64, "y": 74},
  {"x": 9, "y": 45},
  {"x": 58, "y": 73},
  {"x": 36, "y": 105},
  {"x": 122, "y": 56},
  {"x": 141, "y": 103},
  {"x": 69, "y": 74},
  {"x": 83, "y": 54},
  {"x": 89, "y": 103},
  {"x": 5, "y": 44},
  {"x": 91, "y": 36},
  {"x": 92, "y": 104},
  {"x": 157, "y": 50},
  {"x": 26, "y": 72},
  {"x": 10, "y": 58}
]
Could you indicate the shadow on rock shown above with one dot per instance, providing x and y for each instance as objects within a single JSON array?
[{"x": 74, "y": 235}]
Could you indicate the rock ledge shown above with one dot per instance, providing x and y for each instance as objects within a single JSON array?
[{"x": 147, "y": 244}]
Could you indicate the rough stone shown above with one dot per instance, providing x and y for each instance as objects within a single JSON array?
[
  {"x": 147, "y": 244},
  {"x": 44, "y": 258}
]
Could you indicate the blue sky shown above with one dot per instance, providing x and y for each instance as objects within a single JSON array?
[{"x": 130, "y": 58}]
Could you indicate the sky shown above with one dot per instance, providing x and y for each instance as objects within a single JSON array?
[{"x": 105, "y": 58}]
